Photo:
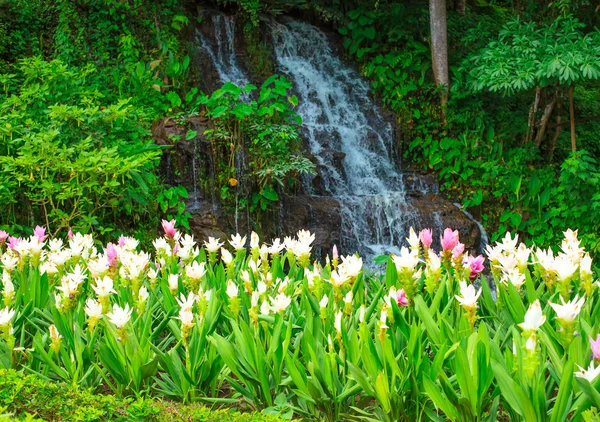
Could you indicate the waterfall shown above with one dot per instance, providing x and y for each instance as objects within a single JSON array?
[
  {"x": 222, "y": 50},
  {"x": 340, "y": 120}
]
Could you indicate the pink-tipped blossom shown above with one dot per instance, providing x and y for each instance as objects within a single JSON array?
[
  {"x": 121, "y": 241},
  {"x": 475, "y": 264},
  {"x": 595, "y": 344},
  {"x": 13, "y": 242},
  {"x": 169, "y": 228},
  {"x": 3, "y": 236},
  {"x": 334, "y": 253},
  {"x": 40, "y": 233},
  {"x": 426, "y": 237},
  {"x": 449, "y": 240},
  {"x": 111, "y": 254},
  {"x": 401, "y": 298},
  {"x": 458, "y": 250},
  {"x": 70, "y": 234}
]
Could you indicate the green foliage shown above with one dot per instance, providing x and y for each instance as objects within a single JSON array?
[
  {"x": 22, "y": 395},
  {"x": 267, "y": 128},
  {"x": 69, "y": 157}
]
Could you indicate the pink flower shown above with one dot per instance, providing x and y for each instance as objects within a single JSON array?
[
  {"x": 426, "y": 237},
  {"x": 169, "y": 228},
  {"x": 13, "y": 242},
  {"x": 111, "y": 254},
  {"x": 3, "y": 236},
  {"x": 595, "y": 347},
  {"x": 334, "y": 253},
  {"x": 449, "y": 240},
  {"x": 401, "y": 298},
  {"x": 458, "y": 250},
  {"x": 121, "y": 241},
  {"x": 40, "y": 233},
  {"x": 475, "y": 264},
  {"x": 70, "y": 234}
]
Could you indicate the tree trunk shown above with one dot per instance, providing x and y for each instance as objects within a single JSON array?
[
  {"x": 572, "y": 112},
  {"x": 556, "y": 134},
  {"x": 532, "y": 112},
  {"x": 544, "y": 122},
  {"x": 439, "y": 47},
  {"x": 460, "y": 6}
]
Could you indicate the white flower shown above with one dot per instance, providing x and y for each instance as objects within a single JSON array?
[
  {"x": 585, "y": 265},
  {"x": 78, "y": 275},
  {"x": 6, "y": 316},
  {"x": 337, "y": 323},
  {"x": 238, "y": 242},
  {"x": 413, "y": 239},
  {"x": 265, "y": 308},
  {"x": 434, "y": 262},
  {"x": 186, "y": 303},
  {"x": 104, "y": 286},
  {"x": 97, "y": 266},
  {"x": 68, "y": 287},
  {"x": 568, "y": 311},
  {"x": 351, "y": 265},
  {"x": 589, "y": 374},
  {"x": 187, "y": 242},
  {"x": 337, "y": 279},
  {"x": 324, "y": 301},
  {"x": 468, "y": 296},
  {"x": 513, "y": 276},
  {"x": 276, "y": 247},
  {"x": 232, "y": 289},
  {"x": 54, "y": 334},
  {"x": 280, "y": 303},
  {"x": 383, "y": 320},
  {"x": 186, "y": 316},
  {"x": 9, "y": 261},
  {"x": 93, "y": 308},
  {"x": 152, "y": 274},
  {"x": 301, "y": 249},
  {"x": 361, "y": 313},
  {"x": 348, "y": 297},
  {"x": 406, "y": 261},
  {"x": 305, "y": 236},
  {"x": 522, "y": 254},
  {"x": 162, "y": 246},
  {"x": 120, "y": 316},
  {"x": 261, "y": 287},
  {"x": 59, "y": 258},
  {"x": 48, "y": 268},
  {"x": 143, "y": 294},
  {"x": 254, "y": 240},
  {"x": 173, "y": 281},
  {"x": 564, "y": 267},
  {"x": 508, "y": 243},
  {"x": 254, "y": 299},
  {"x": 9, "y": 287},
  {"x": 226, "y": 256},
  {"x": 212, "y": 245},
  {"x": 531, "y": 343},
  {"x": 545, "y": 259},
  {"x": 195, "y": 270},
  {"x": 55, "y": 245},
  {"x": 534, "y": 318}
]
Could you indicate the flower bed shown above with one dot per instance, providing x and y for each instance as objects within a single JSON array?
[{"x": 265, "y": 328}]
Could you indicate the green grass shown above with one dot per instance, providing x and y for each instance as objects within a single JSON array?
[{"x": 28, "y": 397}]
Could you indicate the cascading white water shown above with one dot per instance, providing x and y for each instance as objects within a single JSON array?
[
  {"x": 339, "y": 116},
  {"x": 222, "y": 50}
]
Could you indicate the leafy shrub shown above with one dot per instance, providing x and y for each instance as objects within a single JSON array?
[{"x": 69, "y": 157}]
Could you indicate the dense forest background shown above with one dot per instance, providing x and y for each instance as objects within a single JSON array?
[{"x": 514, "y": 134}]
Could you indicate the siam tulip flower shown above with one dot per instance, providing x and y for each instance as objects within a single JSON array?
[
  {"x": 254, "y": 299},
  {"x": 564, "y": 267},
  {"x": 509, "y": 244},
  {"x": 337, "y": 323},
  {"x": 589, "y": 374},
  {"x": 449, "y": 240},
  {"x": 401, "y": 298},
  {"x": 120, "y": 316},
  {"x": 458, "y": 250},
  {"x": 238, "y": 242},
  {"x": 98, "y": 267},
  {"x": 261, "y": 287},
  {"x": 143, "y": 294},
  {"x": 426, "y": 237},
  {"x": 468, "y": 296},
  {"x": 93, "y": 308},
  {"x": 413, "y": 240},
  {"x": 169, "y": 228},
  {"x": 338, "y": 279},
  {"x": 335, "y": 257},
  {"x": 361, "y": 313},
  {"x": 568, "y": 311},
  {"x": 232, "y": 289},
  {"x": 305, "y": 236},
  {"x": 382, "y": 324},
  {"x": 586, "y": 275},
  {"x": 55, "y": 245},
  {"x": 406, "y": 262},
  {"x": 40, "y": 233},
  {"x": 301, "y": 250},
  {"x": 187, "y": 320},
  {"x": 152, "y": 275},
  {"x": 173, "y": 281},
  {"x": 282, "y": 285},
  {"x": 3, "y": 236},
  {"x": 104, "y": 287},
  {"x": 195, "y": 270},
  {"x": 595, "y": 346},
  {"x": 48, "y": 268},
  {"x": 212, "y": 245},
  {"x": 513, "y": 276},
  {"x": 254, "y": 240},
  {"x": 265, "y": 308},
  {"x": 254, "y": 266},
  {"x": 187, "y": 242},
  {"x": 6, "y": 316},
  {"x": 226, "y": 257},
  {"x": 280, "y": 303},
  {"x": 70, "y": 234},
  {"x": 186, "y": 303},
  {"x": 534, "y": 318},
  {"x": 351, "y": 265},
  {"x": 324, "y": 301},
  {"x": 348, "y": 298},
  {"x": 55, "y": 338},
  {"x": 9, "y": 261},
  {"x": 531, "y": 343},
  {"x": 276, "y": 247},
  {"x": 8, "y": 293},
  {"x": 522, "y": 256},
  {"x": 161, "y": 246},
  {"x": 475, "y": 266},
  {"x": 13, "y": 242}
]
